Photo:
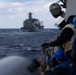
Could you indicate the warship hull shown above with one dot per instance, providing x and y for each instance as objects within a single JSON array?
[{"x": 31, "y": 30}]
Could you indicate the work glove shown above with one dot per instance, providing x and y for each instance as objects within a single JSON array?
[{"x": 45, "y": 45}]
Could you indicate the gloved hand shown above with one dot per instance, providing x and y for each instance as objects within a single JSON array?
[{"x": 45, "y": 44}]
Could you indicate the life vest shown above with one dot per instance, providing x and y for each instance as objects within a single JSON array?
[
  {"x": 68, "y": 45},
  {"x": 67, "y": 65}
]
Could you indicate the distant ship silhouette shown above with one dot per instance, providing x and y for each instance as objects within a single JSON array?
[{"x": 32, "y": 24}]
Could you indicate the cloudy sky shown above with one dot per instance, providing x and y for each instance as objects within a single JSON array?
[{"x": 14, "y": 12}]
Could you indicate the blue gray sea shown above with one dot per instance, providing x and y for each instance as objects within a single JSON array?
[{"x": 26, "y": 44}]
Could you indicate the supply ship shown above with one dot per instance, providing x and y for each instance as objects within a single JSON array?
[{"x": 32, "y": 24}]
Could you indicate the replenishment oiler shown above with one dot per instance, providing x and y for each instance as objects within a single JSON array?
[{"x": 32, "y": 24}]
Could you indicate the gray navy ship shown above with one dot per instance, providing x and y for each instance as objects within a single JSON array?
[{"x": 32, "y": 24}]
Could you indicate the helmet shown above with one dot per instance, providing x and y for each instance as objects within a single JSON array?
[
  {"x": 74, "y": 21},
  {"x": 61, "y": 22},
  {"x": 58, "y": 21},
  {"x": 59, "y": 54}
]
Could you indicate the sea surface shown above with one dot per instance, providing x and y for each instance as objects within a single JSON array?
[{"x": 26, "y": 44}]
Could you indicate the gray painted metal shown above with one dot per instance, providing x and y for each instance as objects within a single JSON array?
[{"x": 71, "y": 8}]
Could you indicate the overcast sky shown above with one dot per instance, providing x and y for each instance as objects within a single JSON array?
[{"x": 14, "y": 12}]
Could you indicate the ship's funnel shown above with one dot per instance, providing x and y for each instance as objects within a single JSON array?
[{"x": 30, "y": 15}]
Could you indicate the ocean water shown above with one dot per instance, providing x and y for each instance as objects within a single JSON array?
[{"x": 26, "y": 44}]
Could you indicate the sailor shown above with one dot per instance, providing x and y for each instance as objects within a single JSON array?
[
  {"x": 61, "y": 68},
  {"x": 65, "y": 64},
  {"x": 67, "y": 34},
  {"x": 68, "y": 67},
  {"x": 65, "y": 67}
]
